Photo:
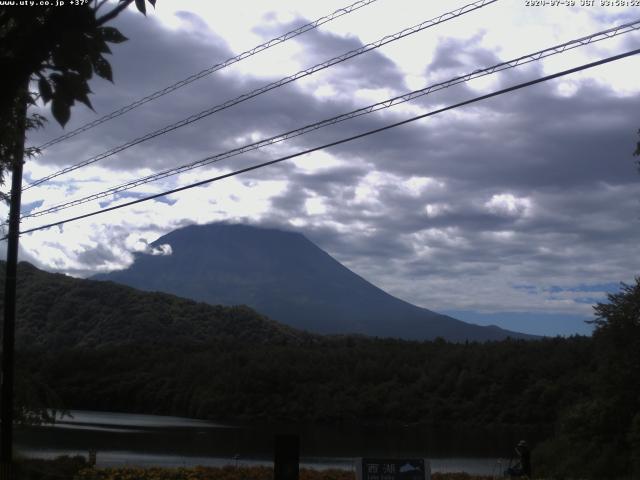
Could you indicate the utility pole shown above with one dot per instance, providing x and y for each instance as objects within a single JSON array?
[{"x": 8, "y": 339}]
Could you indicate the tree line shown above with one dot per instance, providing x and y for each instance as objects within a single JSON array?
[{"x": 346, "y": 379}]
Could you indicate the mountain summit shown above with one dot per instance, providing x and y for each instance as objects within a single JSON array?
[{"x": 285, "y": 276}]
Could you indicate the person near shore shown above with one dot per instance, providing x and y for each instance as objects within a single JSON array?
[{"x": 523, "y": 467}]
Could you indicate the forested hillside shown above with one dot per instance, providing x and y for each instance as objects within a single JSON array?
[
  {"x": 59, "y": 312},
  {"x": 110, "y": 347}
]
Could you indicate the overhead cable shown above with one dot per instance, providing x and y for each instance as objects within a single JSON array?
[
  {"x": 338, "y": 142},
  {"x": 208, "y": 71},
  {"x": 609, "y": 33},
  {"x": 254, "y": 93}
]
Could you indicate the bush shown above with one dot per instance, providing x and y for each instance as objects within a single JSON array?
[{"x": 60, "y": 468}]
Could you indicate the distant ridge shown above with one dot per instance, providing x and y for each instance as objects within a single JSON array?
[
  {"x": 285, "y": 276},
  {"x": 56, "y": 312}
]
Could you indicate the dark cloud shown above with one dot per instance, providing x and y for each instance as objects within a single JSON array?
[
  {"x": 96, "y": 256},
  {"x": 149, "y": 47},
  {"x": 454, "y": 57},
  {"x": 320, "y": 46}
]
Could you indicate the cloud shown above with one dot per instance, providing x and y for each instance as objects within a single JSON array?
[
  {"x": 143, "y": 246},
  {"x": 507, "y": 204}
]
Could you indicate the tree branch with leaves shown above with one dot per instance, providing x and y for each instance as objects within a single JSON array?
[{"x": 60, "y": 47}]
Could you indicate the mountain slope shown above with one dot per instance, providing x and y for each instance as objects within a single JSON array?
[
  {"x": 57, "y": 312},
  {"x": 288, "y": 278}
]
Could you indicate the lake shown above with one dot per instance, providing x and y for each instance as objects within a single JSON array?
[{"x": 151, "y": 440}]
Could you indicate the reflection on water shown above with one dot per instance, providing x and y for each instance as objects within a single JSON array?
[
  {"x": 95, "y": 428},
  {"x": 148, "y": 440},
  {"x": 79, "y": 417}
]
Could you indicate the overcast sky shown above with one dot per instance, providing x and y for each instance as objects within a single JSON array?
[{"x": 522, "y": 210}]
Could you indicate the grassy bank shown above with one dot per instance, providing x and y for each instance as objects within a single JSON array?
[
  {"x": 76, "y": 468},
  {"x": 231, "y": 473}
]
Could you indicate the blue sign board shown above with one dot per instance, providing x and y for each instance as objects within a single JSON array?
[{"x": 393, "y": 469}]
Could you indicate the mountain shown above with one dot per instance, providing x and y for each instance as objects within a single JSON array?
[
  {"x": 56, "y": 312},
  {"x": 285, "y": 276}
]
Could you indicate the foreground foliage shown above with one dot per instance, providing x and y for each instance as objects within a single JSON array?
[
  {"x": 231, "y": 473},
  {"x": 61, "y": 468},
  {"x": 60, "y": 47},
  {"x": 600, "y": 436}
]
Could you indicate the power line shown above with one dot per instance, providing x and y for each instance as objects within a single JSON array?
[
  {"x": 595, "y": 37},
  {"x": 208, "y": 71},
  {"x": 254, "y": 93},
  {"x": 339, "y": 142}
]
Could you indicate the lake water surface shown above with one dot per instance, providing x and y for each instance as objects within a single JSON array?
[{"x": 150, "y": 440}]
